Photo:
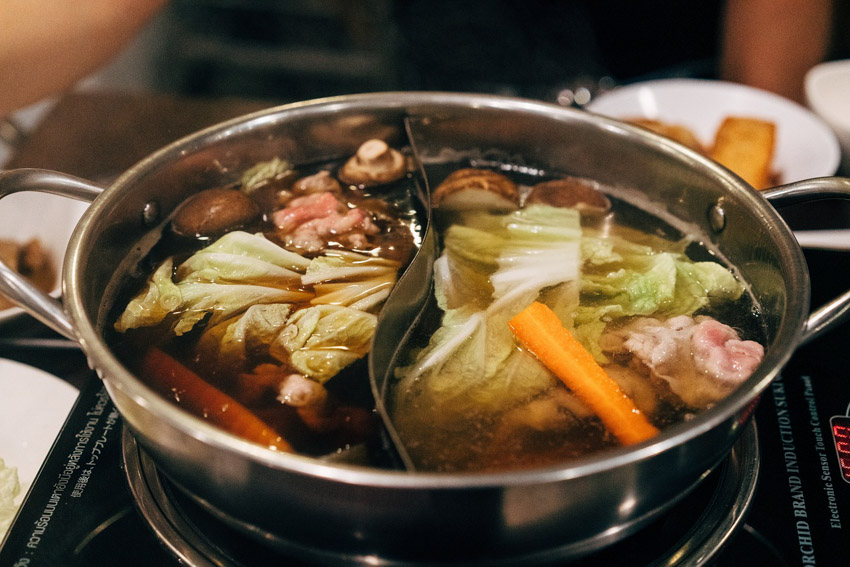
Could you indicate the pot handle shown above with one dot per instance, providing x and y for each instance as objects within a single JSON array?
[
  {"x": 14, "y": 286},
  {"x": 816, "y": 189}
]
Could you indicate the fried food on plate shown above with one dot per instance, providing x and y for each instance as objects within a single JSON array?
[
  {"x": 746, "y": 145},
  {"x": 675, "y": 132}
]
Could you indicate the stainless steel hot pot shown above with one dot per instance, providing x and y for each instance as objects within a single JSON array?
[{"x": 345, "y": 513}]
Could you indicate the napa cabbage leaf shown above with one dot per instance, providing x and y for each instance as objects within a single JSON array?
[
  {"x": 154, "y": 302},
  {"x": 243, "y": 287},
  {"x": 220, "y": 281},
  {"x": 344, "y": 265},
  {"x": 264, "y": 172},
  {"x": 471, "y": 360},
  {"x": 240, "y": 256},
  {"x": 221, "y": 267},
  {"x": 221, "y": 302},
  {"x": 351, "y": 279},
  {"x": 622, "y": 278},
  {"x": 231, "y": 341},
  {"x": 320, "y": 341},
  {"x": 10, "y": 489}
]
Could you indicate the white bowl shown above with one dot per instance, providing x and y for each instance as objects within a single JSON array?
[
  {"x": 805, "y": 145},
  {"x": 827, "y": 88},
  {"x": 49, "y": 218}
]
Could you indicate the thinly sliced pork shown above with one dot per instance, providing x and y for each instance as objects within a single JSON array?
[{"x": 701, "y": 359}]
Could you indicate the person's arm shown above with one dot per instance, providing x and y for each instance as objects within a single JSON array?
[
  {"x": 48, "y": 45},
  {"x": 771, "y": 44}
]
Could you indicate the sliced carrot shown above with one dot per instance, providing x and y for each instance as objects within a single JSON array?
[
  {"x": 172, "y": 379},
  {"x": 541, "y": 332}
]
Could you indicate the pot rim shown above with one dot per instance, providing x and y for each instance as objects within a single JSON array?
[{"x": 116, "y": 376}]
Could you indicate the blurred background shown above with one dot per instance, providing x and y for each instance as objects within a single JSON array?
[
  {"x": 297, "y": 49},
  {"x": 270, "y": 52}
]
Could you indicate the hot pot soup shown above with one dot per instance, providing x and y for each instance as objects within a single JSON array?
[{"x": 257, "y": 308}]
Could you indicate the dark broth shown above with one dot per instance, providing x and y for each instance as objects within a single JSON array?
[{"x": 348, "y": 417}]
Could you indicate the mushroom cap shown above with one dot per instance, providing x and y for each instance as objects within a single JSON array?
[
  {"x": 373, "y": 164},
  {"x": 212, "y": 212},
  {"x": 572, "y": 192},
  {"x": 472, "y": 188}
]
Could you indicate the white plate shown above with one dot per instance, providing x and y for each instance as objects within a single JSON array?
[
  {"x": 49, "y": 218},
  {"x": 805, "y": 145},
  {"x": 33, "y": 407}
]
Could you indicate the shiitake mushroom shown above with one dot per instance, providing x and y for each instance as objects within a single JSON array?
[
  {"x": 213, "y": 212},
  {"x": 472, "y": 188},
  {"x": 373, "y": 164},
  {"x": 581, "y": 194}
]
